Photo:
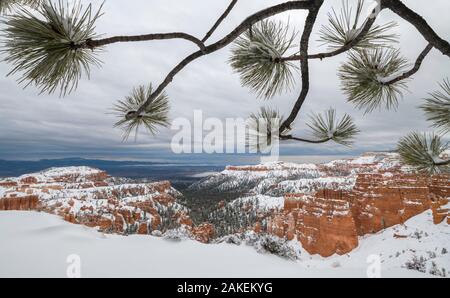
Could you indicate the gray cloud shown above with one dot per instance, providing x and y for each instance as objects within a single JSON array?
[{"x": 80, "y": 124}]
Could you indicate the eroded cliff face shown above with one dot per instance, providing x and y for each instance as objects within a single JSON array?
[
  {"x": 328, "y": 207},
  {"x": 329, "y": 221},
  {"x": 441, "y": 211},
  {"x": 19, "y": 203},
  {"x": 87, "y": 196},
  {"x": 323, "y": 223}
]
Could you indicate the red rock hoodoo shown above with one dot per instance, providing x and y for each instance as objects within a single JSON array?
[
  {"x": 19, "y": 203},
  {"x": 330, "y": 221},
  {"x": 86, "y": 196}
]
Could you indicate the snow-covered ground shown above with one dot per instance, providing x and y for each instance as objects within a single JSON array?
[{"x": 39, "y": 245}]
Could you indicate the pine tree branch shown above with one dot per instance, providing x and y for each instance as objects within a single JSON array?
[
  {"x": 247, "y": 23},
  {"x": 337, "y": 52},
  {"x": 313, "y": 6},
  {"x": 415, "y": 69},
  {"x": 425, "y": 152},
  {"x": 442, "y": 163},
  {"x": 290, "y": 137},
  {"x": 8, "y": 5},
  {"x": 419, "y": 23},
  {"x": 220, "y": 20},
  {"x": 304, "y": 63},
  {"x": 437, "y": 107},
  {"x": 91, "y": 44},
  {"x": 404, "y": 12}
]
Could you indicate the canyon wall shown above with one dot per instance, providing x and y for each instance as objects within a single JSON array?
[
  {"x": 87, "y": 196},
  {"x": 20, "y": 203},
  {"x": 330, "y": 221}
]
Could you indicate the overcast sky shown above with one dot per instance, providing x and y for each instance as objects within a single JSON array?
[{"x": 45, "y": 126}]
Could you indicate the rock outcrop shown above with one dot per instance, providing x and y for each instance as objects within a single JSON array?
[
  {"x": 327, "y": 207},
  {"x": 323, "y": 223},
  {"x": 203, "y": 233},
  {"x": 24, "y": 202},
  {"x": 441, "y": 211},
  {"x": 330, "y": 221},
  {"x": 87, "y": 196},
  {"x": 379, "y": 201}
]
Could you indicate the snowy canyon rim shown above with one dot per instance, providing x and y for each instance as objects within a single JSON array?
[{"x": 218, "y": 204}]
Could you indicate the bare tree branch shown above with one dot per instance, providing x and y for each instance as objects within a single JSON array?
[
  {"x": 415, "y": 69},
  {"x": 220, "y": 20},
  {"x": 419, "y": 22}
]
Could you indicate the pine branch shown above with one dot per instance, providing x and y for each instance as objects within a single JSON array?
[
  {"x": 424, "y": 152},
  {"x": 253, "y": 56},
  {"x": 364, "y": 76},
  {"x": 263, "y": 129},
  {"x": 351, "y": 44},
  {"x": 327, "y": 127},
  {"x": 43, "y": 48},
  {"x": 344, "y": 27},
  {"x": 54, "y": 50},
  {"x": 9, "y": 5},
  {"x": 303, "y": 140},
  {"x": 415, "y": 69},
  {"x": 371, "y": 78},
  {"x": 156, "y": 114},
  {"x": 92, "y": 43},
  {"x": 243, "y": 27},
  {"x": 419, "y": 23},
  {"x": 304, "y": 64},
  {"x": 437, "y": 107},
  {"x": 220, "y": 20}
]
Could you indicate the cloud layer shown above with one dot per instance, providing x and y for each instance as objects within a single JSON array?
[{"x": 35, "y": 126}]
